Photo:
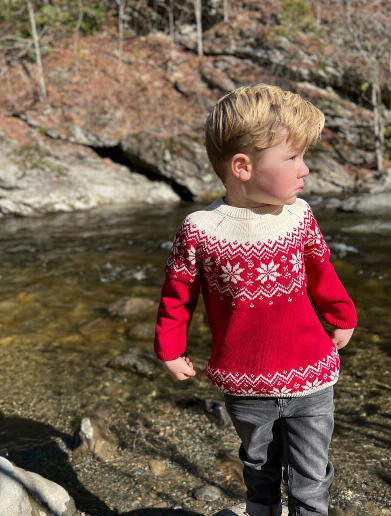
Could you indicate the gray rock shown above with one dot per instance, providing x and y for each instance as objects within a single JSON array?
[
  {"x": 213, "y": 407},
  {"x": 240, "y": 510},
  {"x": 28, "y": 494},
  {"x": 384, "y": 185},
  {"x": 132, "y": 306},
  {"x": 34, "y": 182},
  {"x": 140, "y": 361},
  {"x": 142, "y": 331},
  {"x": 349, "y": 204},
  {"x": 369, "y": 204},
  {"x": 333, "y": 203},
  {"x": 95, "y": 436},
  {"x": 208, "y": 493},
  {"x": 327, "y": 176},
  {"x": 181, "y": 159}
]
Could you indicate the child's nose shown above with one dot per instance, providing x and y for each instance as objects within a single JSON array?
[{"x": 304, "y": 170}]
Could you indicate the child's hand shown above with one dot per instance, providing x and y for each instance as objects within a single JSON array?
[
  {"x": 341, "y": 337},
  {"x": 180, "y": 369}
]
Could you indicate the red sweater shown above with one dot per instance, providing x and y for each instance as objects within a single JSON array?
[{"x": 255, "y": 268}]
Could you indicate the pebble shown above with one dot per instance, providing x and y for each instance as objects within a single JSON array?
[
  {"x": 157, "y": 467},
  {"x": 136, "y": 360},
  {"x": 208, "y": 493},
  {"x": 232, "y": 468},
  {"x": 240, "y": 510},
  {"x": 160, "y": 505}
]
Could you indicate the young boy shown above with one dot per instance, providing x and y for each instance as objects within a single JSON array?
[{"x": 257, "y": 254}]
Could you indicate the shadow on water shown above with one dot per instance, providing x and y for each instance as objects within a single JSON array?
[{"x": 32, "y": 445}]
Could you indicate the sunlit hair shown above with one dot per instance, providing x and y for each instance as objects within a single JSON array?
[{"x": 249, "y": 118}]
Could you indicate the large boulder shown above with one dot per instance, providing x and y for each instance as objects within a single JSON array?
[
  {"x": 48, "y": 176},
  {"x": 28, "y": 494},
  {"x": 369, "y": 204}
]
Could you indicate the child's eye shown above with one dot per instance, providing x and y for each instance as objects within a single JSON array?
[{"x": 293, "y": 157}]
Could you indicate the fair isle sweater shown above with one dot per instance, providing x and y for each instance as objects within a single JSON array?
[{"x": 257, "y": 270}]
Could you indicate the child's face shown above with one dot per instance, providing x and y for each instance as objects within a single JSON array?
[{"x": 277, "y": 179}]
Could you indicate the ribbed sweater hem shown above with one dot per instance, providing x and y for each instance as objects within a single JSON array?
[{"x": 297, "y": 394}]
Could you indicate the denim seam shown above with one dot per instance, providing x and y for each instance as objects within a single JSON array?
[
  {"x": 289, "y": 466},
  {"x": 289, "y": 486}
]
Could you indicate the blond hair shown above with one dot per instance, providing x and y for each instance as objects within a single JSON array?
[{"x": 249, "y": 118}]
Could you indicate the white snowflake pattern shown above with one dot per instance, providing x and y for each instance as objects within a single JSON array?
[
  {"x": 296, "y": 262},
  {"x": 232, "y": 273},
  {"x": 208, "y": 265},
  {"x": 284, "y": 390},
  {"x": 192, "y": 255},
  {"x": 268, "y": 272},
  {"x": 314, "y": 236},
  {"x": 333, "y": 375},
  {"x": 311, "y": 385},
  {"x": 176, "y": 245}
]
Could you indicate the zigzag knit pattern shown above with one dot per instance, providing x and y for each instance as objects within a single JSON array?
[{"x": 255, "y": 268}]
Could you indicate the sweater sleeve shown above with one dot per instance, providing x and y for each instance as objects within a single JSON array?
[
  {"x": 324, "y": 286},
  {"x": 179, "y": 296}
]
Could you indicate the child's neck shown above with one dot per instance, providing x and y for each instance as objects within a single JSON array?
[{"x": 240, "y": 201}]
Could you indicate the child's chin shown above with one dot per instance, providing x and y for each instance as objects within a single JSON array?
[{"x": 291, "y": 200}]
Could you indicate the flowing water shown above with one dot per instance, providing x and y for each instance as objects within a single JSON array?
[{"x": 58, "y": 274}]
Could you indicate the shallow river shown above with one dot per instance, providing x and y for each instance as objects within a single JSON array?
[{"x": 58, "y": 273}]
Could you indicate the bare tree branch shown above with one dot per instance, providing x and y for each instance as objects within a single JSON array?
[{"x": 42, "y": 90}]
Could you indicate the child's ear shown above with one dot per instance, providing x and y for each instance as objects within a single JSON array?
[{"x": 241, "y": 167}]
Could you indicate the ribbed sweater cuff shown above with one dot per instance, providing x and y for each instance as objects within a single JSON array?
[
  {"x": 165, "y": 357},
  {"x": 344, "y": 325}
]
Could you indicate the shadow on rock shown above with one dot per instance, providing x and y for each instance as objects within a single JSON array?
[{"x": 32, "y": 445}]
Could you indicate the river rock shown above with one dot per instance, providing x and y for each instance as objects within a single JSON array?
[
  {"x": 95, "y": 436},
  {"x": 369, "y": 204},
  {"x": 208, "y": 493},
  {"x": 240, "y": 510},
  {"x": 136, "y": 360},
  {"x": 211, "y": 406},
  {"x": 384, "y": 184},
  {"x": 24, "y": 493},
  {"x": 132, "y": 306},
  {"x": 327, "y": 176},
  {"x": 142, "y": 331},
  {"x": 157, "y": 467},
  {"x": 231, "y": 467}
]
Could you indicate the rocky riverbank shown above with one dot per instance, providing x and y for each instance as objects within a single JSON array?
[
  {"x": 123, "y": 438},
  {"x": 134, "y": 134}
]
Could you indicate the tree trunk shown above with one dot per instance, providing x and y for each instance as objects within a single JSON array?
[
  {"x": 198, "y": 15},
  {"x": 225, "y": 3},
  {"x": 318, "y": 14},
  {"x": 77, "y": 28},
  {"x": 377, "y": 121},
  {"x": 42, "y": 89},
  {"x": 121, "y": 11},
  {"x": 171, "y": 21}
]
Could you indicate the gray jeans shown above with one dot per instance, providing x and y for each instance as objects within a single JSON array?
[{"x": 291, "y": 432}]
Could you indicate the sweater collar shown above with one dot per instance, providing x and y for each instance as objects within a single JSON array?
[{"x": 245, "y": 213}]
